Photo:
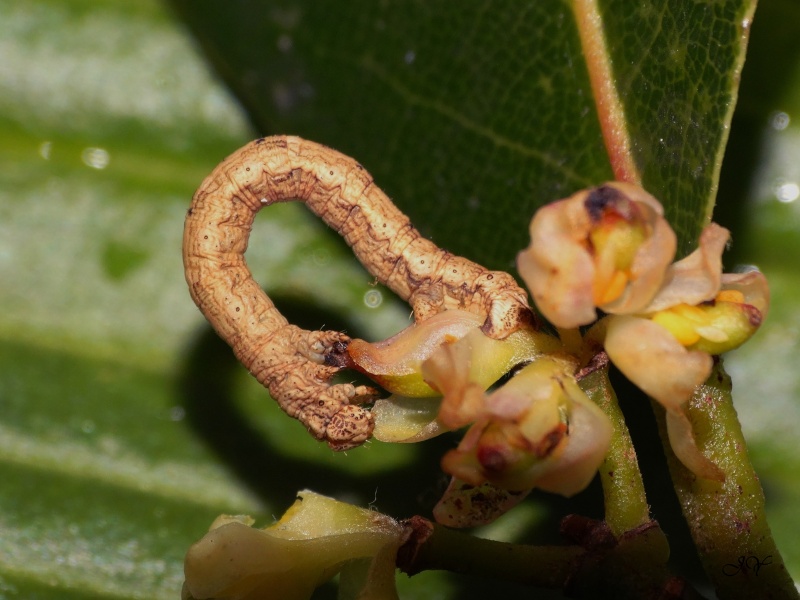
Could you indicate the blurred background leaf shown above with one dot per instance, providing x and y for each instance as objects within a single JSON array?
[{"x": 126, "y": 425}]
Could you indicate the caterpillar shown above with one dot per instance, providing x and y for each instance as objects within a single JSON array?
[{"x": 296, "y": 365}]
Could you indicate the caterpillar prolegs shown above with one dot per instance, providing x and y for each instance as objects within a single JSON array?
[{"x": 296, "y": 365}]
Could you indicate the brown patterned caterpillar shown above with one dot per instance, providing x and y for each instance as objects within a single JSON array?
[{"x": 294, "y": 364}]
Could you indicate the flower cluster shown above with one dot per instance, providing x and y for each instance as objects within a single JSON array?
[
  {"x": 606, "y": 252},
  {"x": 610, "y": 248},
  {"x": 538, "y": 429}
]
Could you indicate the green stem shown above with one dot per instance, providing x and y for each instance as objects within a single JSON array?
[
  {"x": 451, "y": 550},
  {"x": 632, "y": 567},
  {"x": 727, "y": 520},
  {"x": 623, "y": 490}
]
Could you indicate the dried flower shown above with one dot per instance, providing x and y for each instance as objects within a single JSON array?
[
  {"x": 606, "y": 247},
  {"x": 466, "y": 505},
  {"x": 317, "y": 538}
]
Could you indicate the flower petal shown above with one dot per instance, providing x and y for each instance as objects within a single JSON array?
[
  {"x": 649, "y": 356},
  {"x": 557, "y": 267},
  {"x": 395, "y": 363},
  {"x": 236, "y": 561},
  {"x": 727, "y": 325},
  {"x": 684, "y": 445},
  {"x": 697, "y": 277},
  {"x": 538, "y": 430},
  {"x": 589, "y": 438},
  {"x": 753, "y": 286},
  {"x": 651, "y": 261},
  {"x": 406, "y": 420},
  {"x": 448, "y": 371},
  {"x": 463, "y": 370}
]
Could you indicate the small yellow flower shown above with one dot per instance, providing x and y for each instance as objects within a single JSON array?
[
  {"x": 315, "y": 539},
  {"x": 610, "y": 248},
  {"x": 607, "y": 247},
  {"x": 667, "y": 349}
]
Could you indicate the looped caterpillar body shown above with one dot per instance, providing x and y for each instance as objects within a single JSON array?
[{"x": 294, "y": 364}]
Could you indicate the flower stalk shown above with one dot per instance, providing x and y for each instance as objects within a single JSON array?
[
  {"x": 626, "y": 505},
  {"x": 727, "y": 519},
  {"x": 597, "y": 564},
  {"x": 442, "y": 548}
]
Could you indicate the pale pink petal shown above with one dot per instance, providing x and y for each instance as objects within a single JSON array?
[
  {"x": 540, "y": 430},
  {"x": 403, "y": 352},
  {"x": 589, "y": 438},
  {"x": 557, "y": 267},
  {"x": 537, "y": 384},
  {"x": 560, "y": 268},
  {"x": 654, "y": 360},
  {"x": 696, "y": 278},
  {"x": 681, "y": 438},
  {"x": 448, "y": 371}
]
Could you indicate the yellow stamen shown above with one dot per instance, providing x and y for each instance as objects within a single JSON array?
[
  {"x": 730, "y": 296},
  {"x": 680, "y": 327},
  {"x": 614, "y": 288},
  {"x": 690, "y": 313}
]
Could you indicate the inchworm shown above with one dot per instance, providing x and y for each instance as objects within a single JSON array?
[{"x": 294, "y": 364}]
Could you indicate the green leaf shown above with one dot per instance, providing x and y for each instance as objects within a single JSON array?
[
  {"x": 489, "y": 113},
  {"x": 677, "y": 67},
  {"x": 126, "y": 424}
]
